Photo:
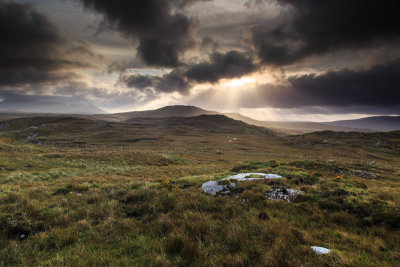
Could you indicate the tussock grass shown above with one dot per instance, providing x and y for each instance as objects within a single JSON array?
[{"x": 144, "y": 206}]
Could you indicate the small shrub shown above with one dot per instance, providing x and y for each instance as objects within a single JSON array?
[
  {"x": 227, "y": 181},
  {"x": 274, "y": 163},
  {"x": 224, "y": 182},
  {"x": 169, "y": 185},
  {"x": 338, "y": 178}
]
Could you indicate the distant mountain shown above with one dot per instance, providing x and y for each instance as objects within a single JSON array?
[
  {"x": 46, "y": 104},
  {"x": 290, "y": 127},
  {"x": 376, "y": 123},
  {"x": 97, "y": 114},
  {"x": 172, "y": 111},
  {"x": 202, "y": 123},
  {"x": 165, "y": 112},
  {"x": 383, "y": 123},
  {"x": 191, "y": 111}
]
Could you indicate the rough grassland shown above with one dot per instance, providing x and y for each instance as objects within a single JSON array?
[{"x": 102, "y": 194}]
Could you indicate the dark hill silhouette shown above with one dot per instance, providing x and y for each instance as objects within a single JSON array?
[
  {"x": 207, "y": 123},
  {"x": 370, "y": 124}
]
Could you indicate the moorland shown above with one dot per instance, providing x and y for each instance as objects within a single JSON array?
[{"x": 87, "y": 192}]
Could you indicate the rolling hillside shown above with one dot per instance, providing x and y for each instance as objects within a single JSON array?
[
  {"x": 80, "y": 130},
  {"x": 291, "y": 127},
  {"x": 376, "y": 123},
  {"x": 382, "y": 123},
  {"x": 190, "y": 111}
]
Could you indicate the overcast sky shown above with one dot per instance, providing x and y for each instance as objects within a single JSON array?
[{"x": 268, "y": 59}]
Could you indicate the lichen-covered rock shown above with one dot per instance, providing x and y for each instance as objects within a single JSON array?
[
  {"x": 282, "y": 194},
  {"x": 214, "y": 188},
  {"x": 226, "y": 185}
]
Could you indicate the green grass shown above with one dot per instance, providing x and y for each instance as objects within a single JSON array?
[{"x": 143, "y": 206}]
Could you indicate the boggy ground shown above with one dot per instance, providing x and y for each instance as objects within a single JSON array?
[{"x": 138, "y": 201}]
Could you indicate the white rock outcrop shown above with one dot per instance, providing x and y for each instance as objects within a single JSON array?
[
  {"x": 213, "y": 187},
  {"x": 223, "y": 188}
]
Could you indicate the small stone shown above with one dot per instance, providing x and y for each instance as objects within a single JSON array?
[
  {"x": 320, "y": 250},
  {"x": 32, "y": 136},
  {"x": 22, "y": 236},
  {"x": 365, "y": 174}
]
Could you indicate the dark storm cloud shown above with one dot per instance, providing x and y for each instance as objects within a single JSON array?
[
  {"x": 162, "y": 30},
  {"x": 376, "y": 87},
  {"x": 208, "y": 43},
  {"x": 26, "y": 35},
  {"x": 168, "y": 83},
  {"x": 173, "y": 82},
  {"x": 313, "y": 28},
  {"x": 33, "y": 51},
  {"x": 30, "y": 77},
  {"x": 232, "y": 64},
  {"x": 140, "y": 81},
  {"x": 373, "y": 91}
]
